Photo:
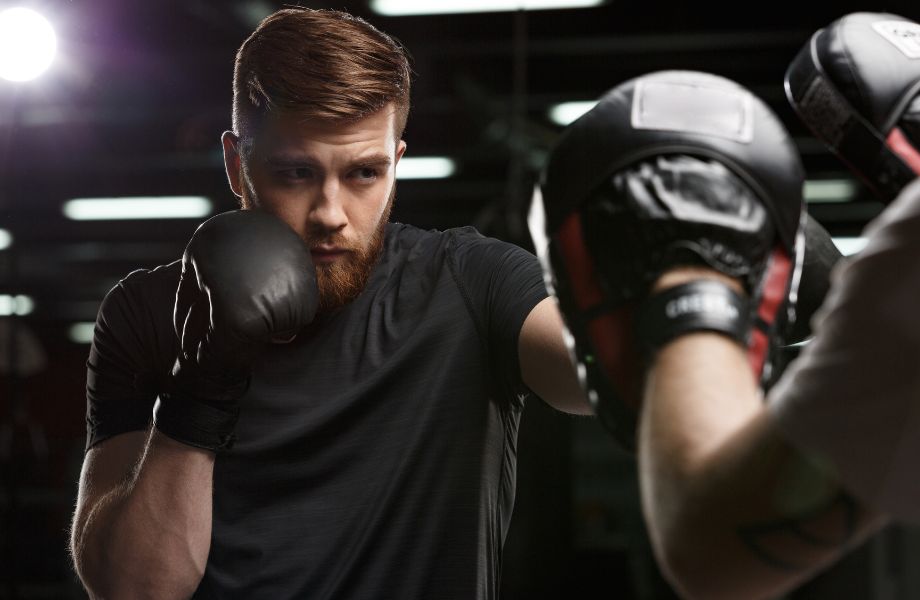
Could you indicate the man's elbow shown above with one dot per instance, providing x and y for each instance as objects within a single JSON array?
[
  {"x": 105, "y": 575},
  {"x": 110, "y": 581}
]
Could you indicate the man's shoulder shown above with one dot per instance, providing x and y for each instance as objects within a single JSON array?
[
  {"x": 137, "y": 309},
  {"x": 457, "y": 246},
  {"x": 152, "y": 286},
  {"x": 464, "y": 250},
  {"x": 149, "y": 280},
  {"x": 401, "y": 236}
]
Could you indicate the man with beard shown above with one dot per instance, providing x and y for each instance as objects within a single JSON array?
[{"x": 255, "y": 432}]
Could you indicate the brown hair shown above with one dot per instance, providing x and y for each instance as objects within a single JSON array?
[{"x": 321, "y": 64}]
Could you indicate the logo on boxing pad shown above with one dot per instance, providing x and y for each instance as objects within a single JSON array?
[
  {"x": 905, "y": 36},
  {"x": 712, "y": 304}
]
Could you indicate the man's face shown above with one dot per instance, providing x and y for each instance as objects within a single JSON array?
[{"x": 334, "y": 184}]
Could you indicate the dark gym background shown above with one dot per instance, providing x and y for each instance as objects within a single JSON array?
[{"x": 134, "y": 106}]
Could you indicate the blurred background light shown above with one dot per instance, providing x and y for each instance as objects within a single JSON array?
[
  {"x": 27, "y": 44},
  {"x": 6, "y": 239},
  {"x": 425, "y": 167},
  {"x": 397, "y": 8},
  {"x": 830, "y": 190},
  {"x": 19, "y": 305},
  {"x": 253, "y": 11},
  {"x": 81, "y": 333},
  {"x": 140, "y": 207},
  {"x": 567, "y": 112},
  {"x": 849, "y": 245}
]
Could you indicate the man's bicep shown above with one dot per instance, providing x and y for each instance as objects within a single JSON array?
[{"x": 546, "y": 366}]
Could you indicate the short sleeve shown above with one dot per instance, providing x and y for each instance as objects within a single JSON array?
[
  {"x": 503, "y": 283},
  {"x": 131, "y": 354},
  {"x": 852, "y": 399}
]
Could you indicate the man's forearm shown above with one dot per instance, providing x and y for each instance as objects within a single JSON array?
[
  {"x": 733, "y": 510},
  {"x": 150, "y": 536}
]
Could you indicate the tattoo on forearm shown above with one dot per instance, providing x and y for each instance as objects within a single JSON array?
[{"x": 832, "y": 525}]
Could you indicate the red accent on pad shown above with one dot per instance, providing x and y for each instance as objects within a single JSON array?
[
  {"x": 774, "y": 294},
  {"x": 611, "y": 333},
  {"x": 613, "y": 338},
  {"x": 585, "y": 288},
  {"x": 901, "y": 146}
]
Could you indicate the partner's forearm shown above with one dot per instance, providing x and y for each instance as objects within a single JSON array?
[{"x": 733, "y": 510}]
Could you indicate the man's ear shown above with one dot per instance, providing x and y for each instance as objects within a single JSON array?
[
  {"x": 232, "y": 162},
  {"x": 400, "y": 149}
]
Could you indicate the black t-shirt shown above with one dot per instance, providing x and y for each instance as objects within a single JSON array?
[{"x": 376, "y": 453}]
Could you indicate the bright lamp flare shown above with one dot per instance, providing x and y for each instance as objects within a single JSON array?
[{"x": 27, "y": 44}]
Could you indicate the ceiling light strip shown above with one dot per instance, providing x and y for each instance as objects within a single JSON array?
[
  {"x": 425, "y": 167},
  {"x": 401, "y": 8},
  {"x": 136, "y": 208}
]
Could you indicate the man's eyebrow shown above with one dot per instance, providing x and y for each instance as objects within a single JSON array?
[
  {"x": 285, "y": 159},
  {"x": 373, "y": 160}
]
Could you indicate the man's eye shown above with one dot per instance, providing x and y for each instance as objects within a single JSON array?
[{"x": 365, "y": 173}]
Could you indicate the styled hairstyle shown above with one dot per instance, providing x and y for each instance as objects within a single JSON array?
[{"x": 319, "y": 64}]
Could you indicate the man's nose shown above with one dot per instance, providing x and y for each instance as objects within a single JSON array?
[{"x": 328, "y": 212}]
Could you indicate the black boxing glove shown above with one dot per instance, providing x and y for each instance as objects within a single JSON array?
[{"x": 247, "y": 280}]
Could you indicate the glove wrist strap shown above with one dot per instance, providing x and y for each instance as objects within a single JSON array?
[
  {"x": 702, "y": 305},
  {"x": 199, "y": 411},
  {"x": 194, "y": 423}
]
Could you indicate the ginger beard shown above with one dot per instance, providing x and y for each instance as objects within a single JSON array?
[{"x": 342, "y": 281}]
